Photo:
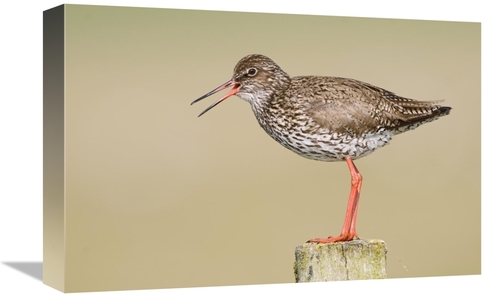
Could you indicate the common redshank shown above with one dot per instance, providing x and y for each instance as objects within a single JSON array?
[{"x": 325, "y": 118}]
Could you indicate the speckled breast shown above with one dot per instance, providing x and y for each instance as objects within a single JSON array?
[{"x": 313, "y": 142}]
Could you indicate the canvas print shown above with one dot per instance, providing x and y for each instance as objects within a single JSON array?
[{"x": 334, "y": 148}]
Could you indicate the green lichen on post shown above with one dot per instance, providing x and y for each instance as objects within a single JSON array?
[{"x": 352, "y": 260}]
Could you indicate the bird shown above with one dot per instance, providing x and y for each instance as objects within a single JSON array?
[{"x": 325, "y": 118}]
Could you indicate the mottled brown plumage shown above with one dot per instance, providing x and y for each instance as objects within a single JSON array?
[{"x": 325, "y": 118}]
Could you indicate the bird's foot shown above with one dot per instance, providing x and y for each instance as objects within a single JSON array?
[{"x": 330, "y": 239}]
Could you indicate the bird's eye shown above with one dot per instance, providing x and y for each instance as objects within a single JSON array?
[{"x": 252, "y": 71}]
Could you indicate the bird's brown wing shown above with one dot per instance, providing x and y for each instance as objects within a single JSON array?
[{"x": 355, "y": 107}]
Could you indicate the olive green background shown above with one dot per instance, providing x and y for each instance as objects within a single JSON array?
[{"x": 156, "y": 197}]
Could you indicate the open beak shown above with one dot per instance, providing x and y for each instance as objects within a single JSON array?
[{"x": 233, "y": 91}]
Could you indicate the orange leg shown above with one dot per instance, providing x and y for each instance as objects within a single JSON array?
[{"x": 349, "y": 228}]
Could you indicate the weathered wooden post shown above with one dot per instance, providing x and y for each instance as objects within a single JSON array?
[{"x": 352, "y": 260}]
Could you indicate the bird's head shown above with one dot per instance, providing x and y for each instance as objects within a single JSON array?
[{"x": 255, "y": 79}]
